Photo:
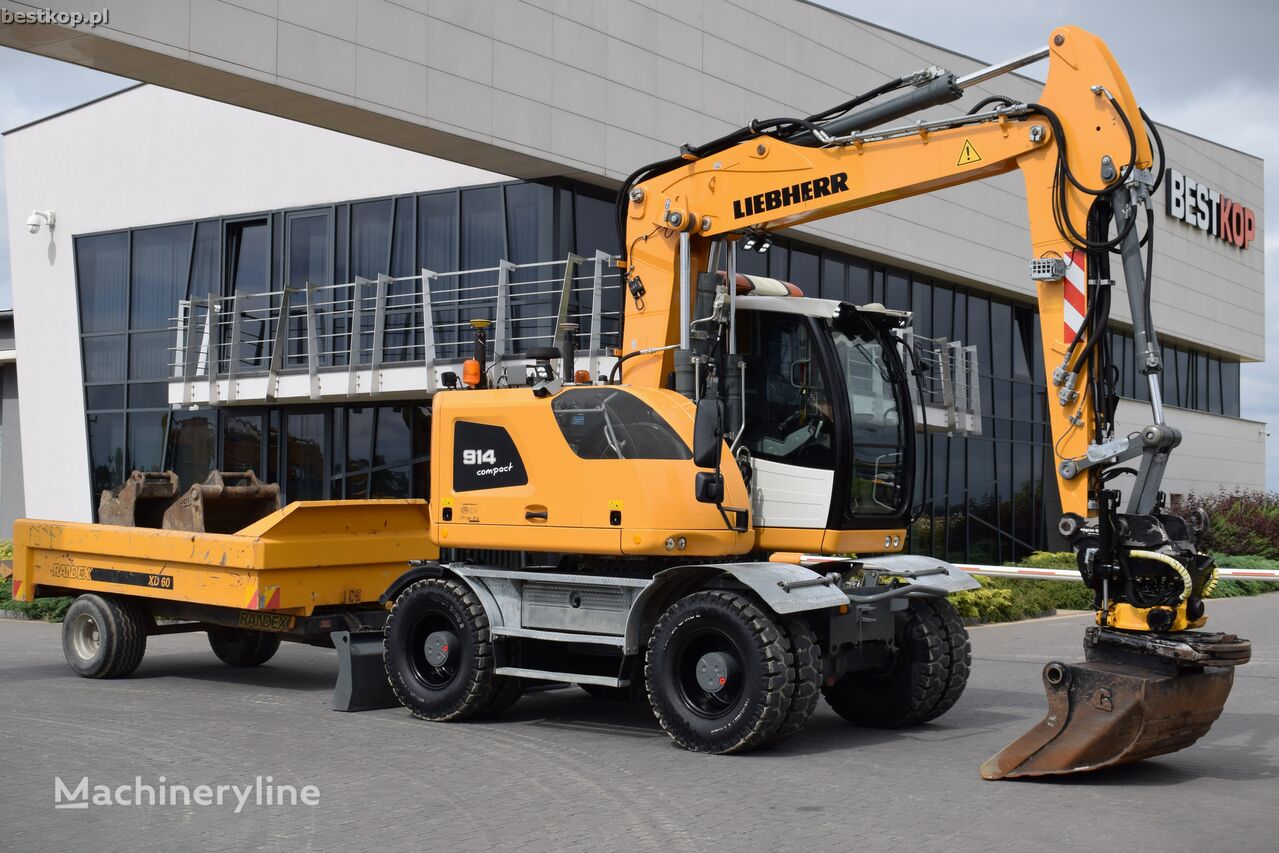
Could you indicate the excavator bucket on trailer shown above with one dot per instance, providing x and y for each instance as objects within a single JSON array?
[
  {"x": 139, "y": 501},
  {"x": 1136, "y": 696},
  {"x": 224, "y": 503}
]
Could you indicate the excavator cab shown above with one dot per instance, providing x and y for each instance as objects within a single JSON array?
[{"x": 821, "y": 414}]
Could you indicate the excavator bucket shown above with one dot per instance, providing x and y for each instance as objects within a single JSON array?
[
  {"x": 139, "y": 501},
  {"x": 1136, "y": 696},
  {"x": 226, "y": 502}
]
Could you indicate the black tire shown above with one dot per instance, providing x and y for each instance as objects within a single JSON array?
[
  {"x": 463, "y": 685},
  {"x": 104, "y": 636},
  {"x": 926, "y": 678},
  {"x": 239, "y": 647},
  {"x": 507, "y": 692},
  {"x": 753, "y": 695},
  {"x": 806, "y": 676}
]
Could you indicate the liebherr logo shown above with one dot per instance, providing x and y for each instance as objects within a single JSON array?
[{"x": 794, "y": 194}]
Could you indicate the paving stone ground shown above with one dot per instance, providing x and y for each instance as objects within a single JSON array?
[{"x": 563, "y": 771}]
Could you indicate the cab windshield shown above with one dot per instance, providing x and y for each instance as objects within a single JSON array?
[{"x": 867, "y": 359}]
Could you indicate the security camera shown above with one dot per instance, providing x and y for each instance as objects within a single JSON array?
[{"x": 38, "y": 218}]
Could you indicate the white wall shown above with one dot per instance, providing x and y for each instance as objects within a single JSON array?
[{"x": 145, "y": 157}]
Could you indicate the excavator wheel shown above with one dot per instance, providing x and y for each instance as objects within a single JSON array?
[
  {"x": 438, "y": 652},
  {"x": 806, "y": 675},
  {"x": 719, "y": 673},
  {"x": 925, "y": 679}
]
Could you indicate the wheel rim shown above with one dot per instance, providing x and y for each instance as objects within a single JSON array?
[
  {"x": 86, "y": 638},
  {"x": 436, "y": 649},
  {"x": 708, "y": 673}
]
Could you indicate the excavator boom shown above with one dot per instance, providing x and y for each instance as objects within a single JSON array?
[{"x": 1084, "y": 149}]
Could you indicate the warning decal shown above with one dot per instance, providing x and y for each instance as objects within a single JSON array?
[{"x": 968, "y": 154}]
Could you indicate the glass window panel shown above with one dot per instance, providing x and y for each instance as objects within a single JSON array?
[
  {"x": 310, "y": 240},
  {"x": 1185, "y": 381},
  {"x": 342, "y": 243},
  {"x": 249, "y": 256},
  {"x": 603, "y": 423},
  {"x": 146, "y": 440},
  {"x": 752, "y": 263},
  {"x": 834, "y": 278},
  {"x": 206, "y": 269},
  {"x": 106, "y": 452},
  {"x": 1170, "y": 375},
  {"x": 921, "y": 301},
  {"x": 304, "y": 456},
  {"x": 1214, "y": 385},
  {"x": 943, "y": 307},
  {"x": 593, "y": 224},
  {"x": 102, "y": 274},
  {"x": 148, "y": 395},
  {"x": 422, "y": 433},
  {"x": 371, "y": 238},
  {"x": 877, "y": 285},
  {"x": 149, "y": 355},
  {"x": 393, "y": 482},
  {"x": 959, "y": 325},
  {"x": 104, "y": 397},
  {"x": 1001, "y": 342},
  {"x": 422, "y": 480},
  {"x": 805, "y": 271},
  {"x": 483, "y": 231},
  {"x": 273, "y": 447},
  {"x": 161, "y": 260},
  {"x": 242, "y": 442},
  {"x": 359, "y": 438},
  {"x": 531, "y": 238},
  {"x": 403, "y": 246},
  {"x": 979, "y": 333},
  {"x": 897, "y": 291},
  {"x": 192, "y": 446},
  {"x": 104, "y": 358},
  {"x": 1200, "y": 389},
  {"x": 394, "y": 440},
  {"x": 858, "y": 283},
  {"x": 1230, "y": 388},
  {"x": 1023, "y": 340}
]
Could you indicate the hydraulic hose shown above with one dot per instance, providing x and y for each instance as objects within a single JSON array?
[{"x": 1171, "y": 563}]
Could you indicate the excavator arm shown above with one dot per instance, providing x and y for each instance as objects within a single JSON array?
[{"x": 1084, "y": 150}]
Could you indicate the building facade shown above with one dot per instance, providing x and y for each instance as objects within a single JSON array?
[{"x": 163, "y": 196}]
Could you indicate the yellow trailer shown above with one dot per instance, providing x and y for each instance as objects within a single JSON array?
[{"x": 314, "y": 572}]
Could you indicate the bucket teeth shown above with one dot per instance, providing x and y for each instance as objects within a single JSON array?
[{"x": 1129, "y": 701}]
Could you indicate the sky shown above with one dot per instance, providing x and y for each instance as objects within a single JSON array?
[{"x": 1200, "y": 66}]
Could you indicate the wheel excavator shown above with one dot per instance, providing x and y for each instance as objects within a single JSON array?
[
  {"x": 1151, "y": 683},
  {"x": 719, "y": 519}
]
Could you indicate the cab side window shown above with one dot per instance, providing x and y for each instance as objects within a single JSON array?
[{"x": 609, "y": 423}]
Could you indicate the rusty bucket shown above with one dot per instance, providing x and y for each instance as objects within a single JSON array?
[
  {"x": 1137, "y": 696},
  {"x": 139, "y": 501},
  {"x": 224, "y": 503}
]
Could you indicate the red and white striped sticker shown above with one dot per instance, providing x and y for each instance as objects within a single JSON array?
[{"x": 1074, "y": 295}]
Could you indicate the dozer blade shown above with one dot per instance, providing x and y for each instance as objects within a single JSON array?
[{"x": 1136, "y": 697}]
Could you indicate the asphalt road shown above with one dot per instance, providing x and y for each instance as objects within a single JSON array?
[{"x": 564, "y": 771}]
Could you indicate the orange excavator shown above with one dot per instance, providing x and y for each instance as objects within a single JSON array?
[{"x": 1150, "y": 684}]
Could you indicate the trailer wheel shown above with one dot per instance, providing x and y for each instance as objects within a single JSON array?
[
  {"x": 507, "y": 692},
  {"x": 239, "y": 647},
  {"x": 104, "y": 636},
  {"x": 806, "y": 675},
  {"x": 925, "y": 679},
  {"x": 438, "y": 652},
  {"x": 719, "y": 673}
]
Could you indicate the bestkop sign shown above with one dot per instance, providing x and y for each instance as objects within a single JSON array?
[{"x": 1208, "y": 210}]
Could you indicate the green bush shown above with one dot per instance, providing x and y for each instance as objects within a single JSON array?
[
  {"x": 49, "y": 609},
  {"x": 1010, "y": 599},
  {"x": 1239, "y": 522}
]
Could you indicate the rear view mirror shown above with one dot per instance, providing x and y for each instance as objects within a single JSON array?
[
  {"x": 799, "y": 374},
  {"x": 708, "y": 433}
]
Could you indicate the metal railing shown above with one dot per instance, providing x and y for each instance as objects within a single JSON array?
[
  {"x": 949, "y": 382},
  {"x": 368, "y": 325}
]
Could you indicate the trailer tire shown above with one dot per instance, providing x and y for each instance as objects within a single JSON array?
[
  {"x": 243, "y": 648},
  {"x": 923, "y": 682},
  {"x": 507, "y": 691},
  {"x": 718, "y": 634},
  {"x": 806, "y": 675},
  {"x": 104, "y": 636},
  {"x": 438, "y": 652}
]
